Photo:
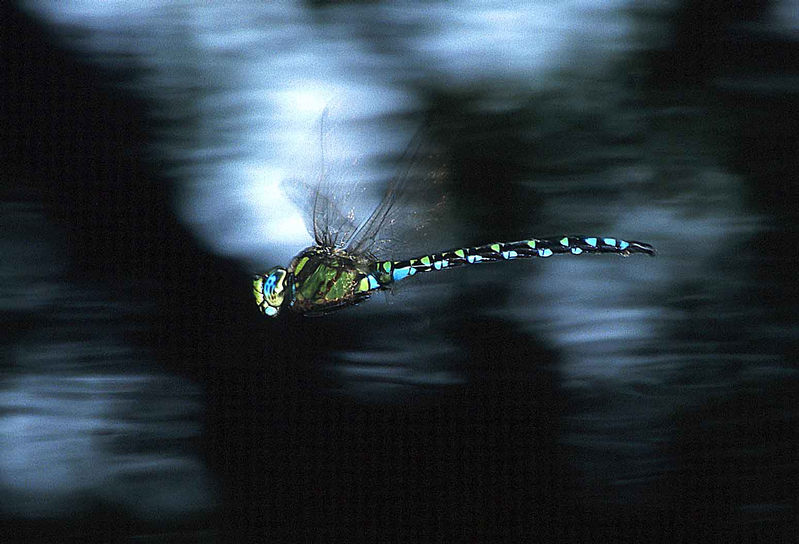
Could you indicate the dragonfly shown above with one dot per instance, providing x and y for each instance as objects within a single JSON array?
[{"x": 341, "y": 270}]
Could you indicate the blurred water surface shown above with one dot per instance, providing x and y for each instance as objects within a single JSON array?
[{"x": 140, "y": 383}]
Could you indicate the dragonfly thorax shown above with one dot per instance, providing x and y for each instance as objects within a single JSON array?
[{"x": 323, "y": 279}]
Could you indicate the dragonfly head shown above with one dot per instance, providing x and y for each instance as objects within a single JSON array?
[{"x": 269, "y": 290}]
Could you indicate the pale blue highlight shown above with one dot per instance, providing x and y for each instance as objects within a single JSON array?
[
  {"x": 576, "y": 251},
  {"x": 401, "y": 273},
  {"x": 270, "y": 311},
  {"x": 544, "y": 252},
  {"x": 591, "y": 241},
  {"x": 609, "y": 241},
  {"x": 509, "y": 254},
  {"x": 623, "y": 244},
  {"x": 373, "y": 283},
  {"x": 471, "y": 259}
]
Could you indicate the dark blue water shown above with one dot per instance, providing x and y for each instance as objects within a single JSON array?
[{"x": 144, "y": 399}]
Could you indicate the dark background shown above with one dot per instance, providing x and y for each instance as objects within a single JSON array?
[{"x": 205, "y": 422}]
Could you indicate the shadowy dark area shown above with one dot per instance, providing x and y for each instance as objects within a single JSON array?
[
  {"x": 292, "y": 459},
  {"x": 709, "y": 39}
]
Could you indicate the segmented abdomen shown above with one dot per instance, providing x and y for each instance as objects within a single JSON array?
[{"x": 388, "y": 272}]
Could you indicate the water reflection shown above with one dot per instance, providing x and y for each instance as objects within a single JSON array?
[
  {"x": 87, "y": 418},
  {"x": 71, "y": 441},
  {"x": 138, "y": 373}
]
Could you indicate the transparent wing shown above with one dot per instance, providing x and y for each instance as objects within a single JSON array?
[
  {"x": 321, "y": 199},
  {"x": 338, "y": 195},
  {"x": 365, "y": 237},
  {"x": 322, "y": 216},
  {"x": 414, "y": 202},
  {"x": 341, "y": 197}
]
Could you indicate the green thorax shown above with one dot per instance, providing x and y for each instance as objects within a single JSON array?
[{"x": 324, "y": 279}]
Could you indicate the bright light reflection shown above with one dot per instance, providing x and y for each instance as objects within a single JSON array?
[{"x": 307, "y": 102}]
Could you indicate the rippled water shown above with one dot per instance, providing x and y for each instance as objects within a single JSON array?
[{"x": 144, "y": 396}]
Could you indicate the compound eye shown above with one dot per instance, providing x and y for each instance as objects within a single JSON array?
[{"x": 269, "y": 291}]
